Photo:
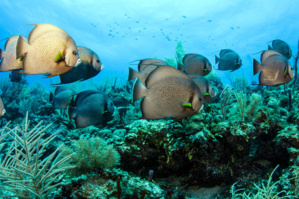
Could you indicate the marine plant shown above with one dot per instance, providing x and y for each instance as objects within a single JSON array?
[
  {"x": 266, "y": 190},
  {"x": 255, "y": 101},
  {"x": 241, "y": 102},
  {"x": 180, "y": 51},
  {"x": 24, "y": 171},
  {"x": 238, "y": 82},
  {"x": 91, "y": 155},
  {"x": 224, "y": 98}
]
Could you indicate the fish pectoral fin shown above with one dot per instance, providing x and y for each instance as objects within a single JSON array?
[
  {"x": 105, "y": 112},
  {"x": 269, "y": 47},
  {"x": 21, "y": 58},
  {"x": 59, "y": 57},
  {"x": 187, "y": 105},
  {"x": 206, "y": 94}
]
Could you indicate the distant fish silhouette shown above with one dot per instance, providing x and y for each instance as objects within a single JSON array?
[
  {"x": 281, "y": 47},
  {"x": 91, "y": 107},
  {"x": 62, "y": 98},
  {"x": 195, "y": 64},
  {"x": 228, "y": 60},
  {"x": 16, "y": 76}
]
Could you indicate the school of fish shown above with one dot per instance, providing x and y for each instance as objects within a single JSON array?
[{"x": 165, "y": 91}]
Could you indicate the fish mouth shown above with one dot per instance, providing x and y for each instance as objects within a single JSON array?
[
  {"x": 3, "y": 112},
  {"x": 78, "y": 62},
  {"x": 102, "y": 67}
]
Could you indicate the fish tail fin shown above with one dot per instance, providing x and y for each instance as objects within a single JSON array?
[
  {"x": 72, "y": 112},
  {"x": 133, "y": 74},
  {"x": 257, "y": 67},
  {"x": 21, "y": 47},
  {"x": 51, "y": 98},
  {"x": 269, "y": 47},
  {"x": 139, "y": 90},
  {"x": 217, "y": 59}
]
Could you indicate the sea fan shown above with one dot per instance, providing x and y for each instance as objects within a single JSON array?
[{"x": 23, "y": 171}]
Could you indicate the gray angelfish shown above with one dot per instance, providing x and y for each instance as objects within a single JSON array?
[
  {"x": 228, "y": 60},
  {"x": 274, "y": 70},
  {"x": 195, "y": 64},
  {"x": 281, "y": 47},
  {"x": 206, "y": 88},
  {"x": 89, "y": 67},
  {"x": 91, "y": 108},
  {"x": 167, "y": 93},
  {"x": 62, "y": 97}
]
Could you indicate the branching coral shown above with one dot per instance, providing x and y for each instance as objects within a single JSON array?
[
  {"x": 268, "y": 191},
  {"x": 255, "y": 101},
  {"x": 23, "y": 171},
  {"x": 241, "y": 102},
  {"x": 224, "y": 97}
]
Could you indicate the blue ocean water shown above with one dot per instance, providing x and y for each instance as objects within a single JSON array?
[{"x": 124, "y": 31}]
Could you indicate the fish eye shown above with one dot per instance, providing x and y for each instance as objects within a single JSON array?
[
  {"x": 98, "y": 61},
  {"x": 74, "y": 53}
]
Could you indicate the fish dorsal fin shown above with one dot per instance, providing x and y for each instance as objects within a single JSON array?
[
  {"x": 224, "y": 51},
  {"x": 81, "y": 96},
  {"x": 276, "y": 42},
  {"x": 10, "y": 40},
  {"x": 146, "y": 62},
  {"x": 189, "y": 56},
  {"x": 59, "y": 89},
  {"x": 82, "y": 48},
  {"x": 41, "y": 29},
  {"x": 162, "y": 72},
  {"x": 268, "y": 53}
]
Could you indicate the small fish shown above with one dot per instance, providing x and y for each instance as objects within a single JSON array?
[
  {"x": 228, "y": 60},
  {"x": 89, "y": 67},
  {"x": 275, "y": 69},
  {"x": 91, "y": 107},
  {"x": 16, "y": 77},
  {"x": 62, "y": 98},
  {"x": 2, "y": 109},
  {"x": 9, "y": 61},
  {"x": 167, "y": 93},
  {"x": 145, "y": 67},
  {"x": 195, "y": 64},
  {"x": 281, "y": 47},
  {"x": 206, "y": 88},
  {"x": 50, "y": 51}
]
